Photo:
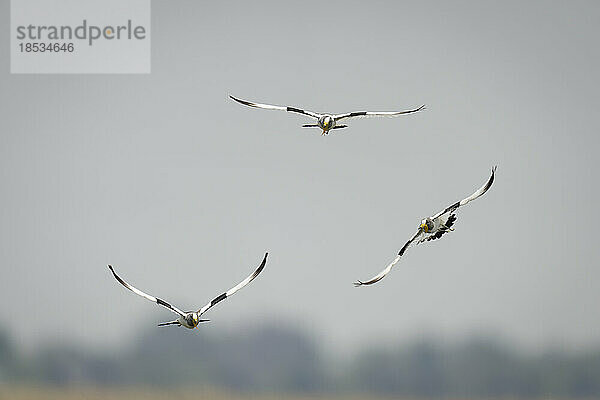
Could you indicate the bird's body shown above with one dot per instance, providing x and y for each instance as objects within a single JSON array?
[
  {"x": 435, "y": 228},
  {"x": 432, "y": 228},
  {"x": 324, "y": 121},
  {"x": 191, "y": 319}
]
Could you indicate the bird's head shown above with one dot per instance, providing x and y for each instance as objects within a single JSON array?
[
  {"x": 191, "y": 319},
  {"x": 326, "y": 123},
  {"x": 426, "y": 225},
  {"x": 195, "y": 319}
]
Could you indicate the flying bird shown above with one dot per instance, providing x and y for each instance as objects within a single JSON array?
[
  {"x": 191, "y": 319},
  {"x": 327, "y": 122},
  {"x": 432, "y": 228}
]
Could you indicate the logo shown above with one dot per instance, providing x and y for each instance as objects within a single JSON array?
[
  {"x": 66, "y": 36},
  {"x": 87, "y": 32}
]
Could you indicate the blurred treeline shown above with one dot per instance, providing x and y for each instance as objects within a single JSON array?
[{"x": 283, "y": 359}]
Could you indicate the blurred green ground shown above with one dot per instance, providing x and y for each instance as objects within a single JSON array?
[
  {"x": 284, "y": 360},
  {"x": 118, "y": 393}
]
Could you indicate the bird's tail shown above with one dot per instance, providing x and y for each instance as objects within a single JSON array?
[{"x": 169, "y": 323}]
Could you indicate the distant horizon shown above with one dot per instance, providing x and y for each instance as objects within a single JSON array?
[
  {"x": 280, "y": 359},
  {"x": 317, "y": 334}
]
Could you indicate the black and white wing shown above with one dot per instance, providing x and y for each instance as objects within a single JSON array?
[
  {"x": 281, "y": 108},
  {"x": 472, "y": 197},
  {"x": 387, "y": 269},
  {"x": 158, "y": 301},
  {"x": 234, "y": 289},
  {"x": 363, "y": 114}
]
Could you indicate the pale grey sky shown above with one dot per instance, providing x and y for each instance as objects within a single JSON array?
[{"x": 183, "y": 190}]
